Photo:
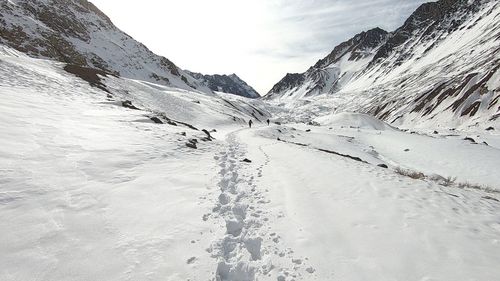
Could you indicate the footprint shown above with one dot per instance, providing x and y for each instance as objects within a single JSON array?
[
  {"x": 191, "y": 260},
  {"x": 310, "y": 270}
]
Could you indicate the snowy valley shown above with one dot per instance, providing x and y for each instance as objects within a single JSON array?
[{"x": 107, "y": 173}]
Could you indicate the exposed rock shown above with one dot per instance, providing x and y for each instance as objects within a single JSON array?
[
  {"x": 191, "y": 143},
  {"x": 491, "y": 198},
  {"x": 209, "y": 137},
  {"x": 356, "y": 67},
  {"x": 231, "y": 84},
  {"x": 383, "y": 166},
  {"x": 128, "y": 104},
  {"x": 91, "y": 75},
  {"x": 470, "y": 139},
  {"x": 77, "y": 32},
  {"x": 156, "y": 120},
  {"x": 343, "y": 155}
]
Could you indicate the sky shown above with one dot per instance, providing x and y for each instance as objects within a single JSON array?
[{"x": 259, "y": 40}]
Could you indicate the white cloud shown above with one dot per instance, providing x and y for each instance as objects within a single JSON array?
[{"x": 260, "y": 40}]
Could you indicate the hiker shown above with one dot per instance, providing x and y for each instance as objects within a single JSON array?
[
  {"x": 250, "y": 123},
  {"x": 268, "y": 122}
]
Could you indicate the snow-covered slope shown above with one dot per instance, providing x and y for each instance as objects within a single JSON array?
[
  {"x": 353, "y": 120},
  {"x": 330, "y": 74},
  {"x": 93, "y": 187},
  {"x": 184, "y": 108},
  {"x": 76, "y": 32},
  {"x": 231, "y": 84},
  {"x": 439, "y": 69}
]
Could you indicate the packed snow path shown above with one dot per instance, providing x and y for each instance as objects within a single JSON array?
[
  {"x": 339, "y": 219},
  {"x": 249, "y": 247}
]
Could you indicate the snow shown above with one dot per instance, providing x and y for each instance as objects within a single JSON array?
[
  {"x": 91, "y": 190},
  {"x": 350, "y": 119},
  {"x": 391, "y": 86},
  {"x": 357, "y": 222},
  {"x": 84, "y": 193}
]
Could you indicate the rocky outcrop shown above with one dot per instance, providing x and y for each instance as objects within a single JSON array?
[
  {"x": 231, "y": 84},
  {"x": 327, "y": 75},
  {"x": 78, "y": 33},
  {"x": 441, "y": 67}
]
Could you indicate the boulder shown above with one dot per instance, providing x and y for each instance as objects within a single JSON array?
[
  {"x": 128, "y": 104},
  {"x": 156, "y": 120}
]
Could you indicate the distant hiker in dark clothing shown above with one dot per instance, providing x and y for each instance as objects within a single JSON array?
[
  {"x": 268, "y": 122},
  {"x": 250, "y": 123}
]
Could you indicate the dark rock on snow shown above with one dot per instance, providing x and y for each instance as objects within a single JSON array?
[
  {"x": 209, "y": 137},
  {"x": 128, "y": 104},
  {"x": 156, "y": 120},
  {"x": 470, "y": 139},
  {"x": 192, "y": 143}
]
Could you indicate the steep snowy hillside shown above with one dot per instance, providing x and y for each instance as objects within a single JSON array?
[
  {"x": 330, "y": 74},
  {"x": 231, "y": 84},
  {"x": 439, "y": 69},
  {"x": 76, "y": 32}
]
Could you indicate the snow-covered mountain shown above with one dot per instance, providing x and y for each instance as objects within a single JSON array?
[
  {"x": 329, "y": 74},
  {"x": 94, "y": 187},
  {"x": 439, "y": 68},
  {"x": 77, "y": 32},
  {"x": 231, "y": 84},
  {"x": 109, "y": 177}
]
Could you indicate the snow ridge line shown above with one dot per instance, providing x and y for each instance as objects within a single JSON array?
[{"x": 239, "y": 251}]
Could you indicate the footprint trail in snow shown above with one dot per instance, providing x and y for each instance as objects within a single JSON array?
[{"x": 249, "y": 249}]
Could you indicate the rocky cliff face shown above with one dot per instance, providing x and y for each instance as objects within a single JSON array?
[
  {"x": 440, "y": 67},
  {"x": 329, "y": 73},
  {"x": 76, "y": 32},
  {"x": 231, "y": 84}
]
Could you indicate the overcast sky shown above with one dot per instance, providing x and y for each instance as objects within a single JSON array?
[{"x": 259, "y": 40}]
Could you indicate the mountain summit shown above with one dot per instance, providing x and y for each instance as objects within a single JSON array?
[
  {"x": 77, "y": 32},
  {"x": 231, "y": 84},
  {"x": 441, "y": 64}
]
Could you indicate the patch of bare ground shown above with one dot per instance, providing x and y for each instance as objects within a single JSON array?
[{"x": 444, "y": 181}]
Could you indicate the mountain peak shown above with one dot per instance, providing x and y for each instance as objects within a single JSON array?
[
  {"x": 443, "y": 61},
  {"x": 356, "y": 46},
  {"x": 77, "y": 32},
  {"x": 231, "y": 84}
]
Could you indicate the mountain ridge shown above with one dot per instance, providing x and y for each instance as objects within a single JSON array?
[
  {"x": 441, "y": 43},
  {"x": 77, "y": 32},
  {"x": 231, "y": 84}
]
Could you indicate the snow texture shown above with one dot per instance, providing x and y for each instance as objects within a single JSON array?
[{"x": 93, "y": 190}]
